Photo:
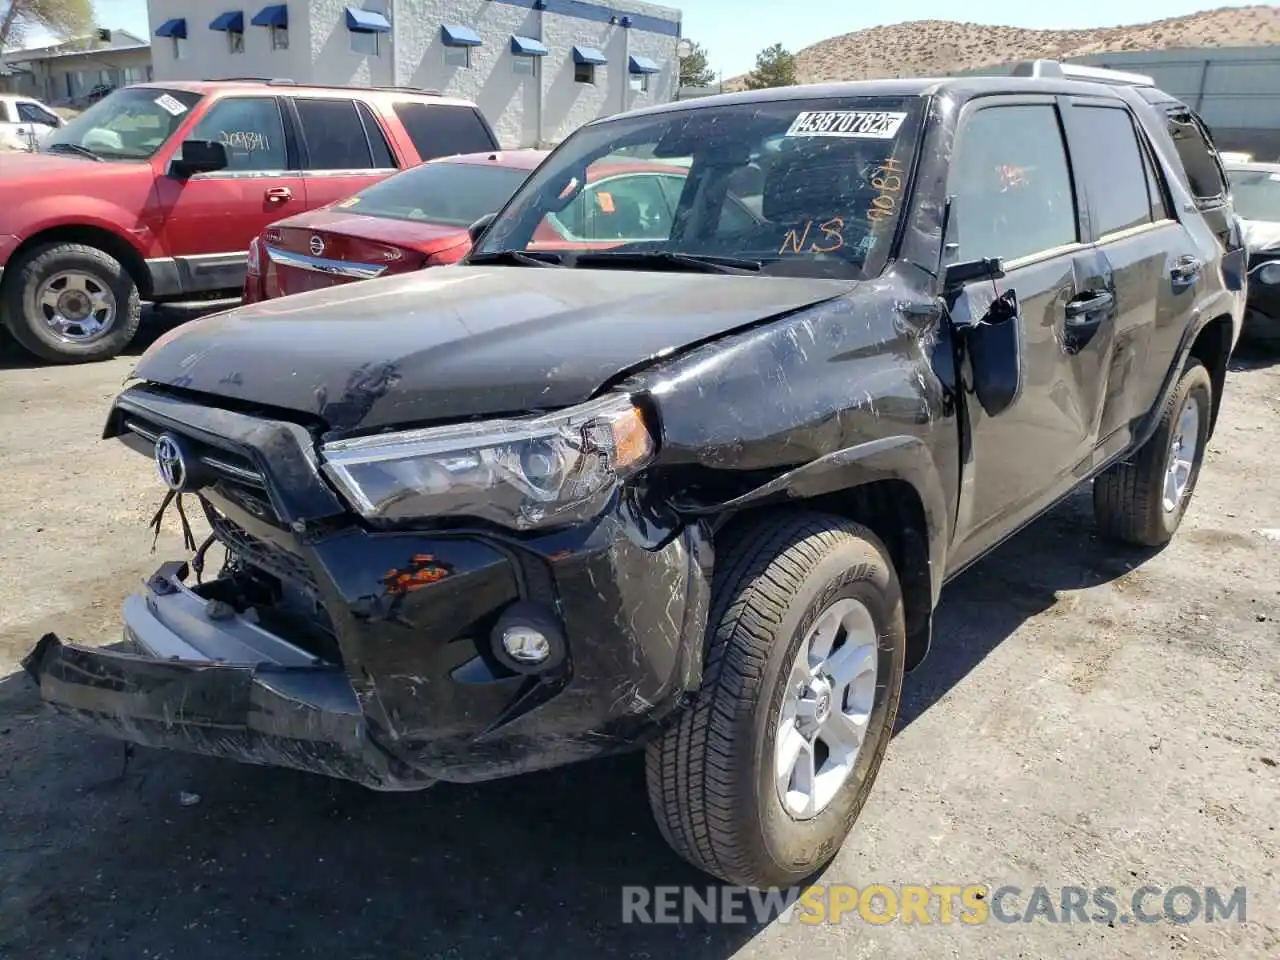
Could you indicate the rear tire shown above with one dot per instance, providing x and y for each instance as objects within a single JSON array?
[
  {"x": 70, "y": 303},
  {"x": 1141, "y": 501},
  {"x": 718, "y": 780}
]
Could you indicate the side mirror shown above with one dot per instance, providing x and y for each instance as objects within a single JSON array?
[
  {"x": 200, "y": 156},
  {"x": 956, "y": 275},
  {"x": 477, "y": 229}
]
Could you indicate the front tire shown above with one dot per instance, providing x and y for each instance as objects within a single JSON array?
[
  {"x": 1141, "y": 501},
  {"x": 761, "y": 779},
  {"x": 71, "y": 303}
]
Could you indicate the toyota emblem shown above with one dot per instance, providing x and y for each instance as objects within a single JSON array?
[
  {"x": 171, "y": 465},
  {"x": 317, "y": 246}
]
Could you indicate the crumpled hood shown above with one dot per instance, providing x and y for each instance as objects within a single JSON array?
[
  {"x": 1260, "y": 234},
  {"x": 454, "y": 342}
]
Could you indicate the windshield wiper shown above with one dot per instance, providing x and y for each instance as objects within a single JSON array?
[
  {"x": 705, "y": 263},
  {"x": 73, "y": 148},
  {"x": 518, "y": 258}
]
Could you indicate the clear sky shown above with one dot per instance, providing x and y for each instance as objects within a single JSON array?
[{"x": 734, "y": 31}]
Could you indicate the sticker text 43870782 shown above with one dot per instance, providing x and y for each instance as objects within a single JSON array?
[{"x": 852, "y": 124}]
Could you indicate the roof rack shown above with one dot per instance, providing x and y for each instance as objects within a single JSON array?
[
  {"x": 287, "y": 82},
  {"x": 1055, "y": 69}
]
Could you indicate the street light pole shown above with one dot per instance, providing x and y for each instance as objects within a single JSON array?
[{"x": 684, "y": 49}]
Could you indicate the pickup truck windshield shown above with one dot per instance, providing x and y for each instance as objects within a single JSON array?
[
  {"x": 129, "y": 124},
  {"x": 809, "y": 187}
]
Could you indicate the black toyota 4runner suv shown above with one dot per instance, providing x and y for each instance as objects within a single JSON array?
[{"x": 685, "y": 472}]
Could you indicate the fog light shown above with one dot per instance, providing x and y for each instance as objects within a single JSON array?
[
  {"x": 528, "y": 638},
  {"x": 526, "y": 644}
]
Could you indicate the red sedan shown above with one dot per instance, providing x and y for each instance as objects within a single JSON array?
[{"x": 415, "y": 219}]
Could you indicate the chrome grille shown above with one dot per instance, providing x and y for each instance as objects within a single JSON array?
[{"x": 225, "y": 464}]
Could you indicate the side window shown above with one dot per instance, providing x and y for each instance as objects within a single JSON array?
[
  {"x": 251, "y": 130},
  {"x": 1198, "y": 157},
  {"x": 383, "y": 158},
  {"x": 1111, "y": 166},
  {"x": 621, "y": 208},
  {"x": 34, "y": 113},
  {"x": 1012, "y": 184},
  {"x": 334, "y": 135},
  {"x": 442, "y": 130}
]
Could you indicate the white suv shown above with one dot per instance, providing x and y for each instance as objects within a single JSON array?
[{"x": 24, "y": 122}]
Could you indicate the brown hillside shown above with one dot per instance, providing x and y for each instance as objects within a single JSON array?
[{"x": 932, "y": 48}]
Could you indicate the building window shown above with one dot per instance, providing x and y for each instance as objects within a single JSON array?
[
  {"x": 279, "y": 38},
  {"x": 179, "y": 47},
  {"x": 235, "y": 41},
  {"x": 640, "y": 82},
  {"x": 524, "y": 66},
  {"x": 365, "y": 43},
  {"x": 457, "y": 57},
  {"x": 584, "y": 73}
]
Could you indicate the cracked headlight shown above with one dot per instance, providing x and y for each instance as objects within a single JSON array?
[{"x": 554, "y": 469}]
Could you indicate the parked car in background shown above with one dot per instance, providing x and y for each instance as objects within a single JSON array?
[
  {"x": 154, "y": 193},
  {"x": 417, "y": 218},
  {"x": 1255, "y": 188},
  {"x": 24, "y": 123}
]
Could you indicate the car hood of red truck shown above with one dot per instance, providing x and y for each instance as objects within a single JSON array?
[
  {"x": 461, "y": 341},
  {"x": 19, "y": 168}
]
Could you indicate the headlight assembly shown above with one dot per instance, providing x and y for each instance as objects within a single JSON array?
[{"x": 544, "y": 471}]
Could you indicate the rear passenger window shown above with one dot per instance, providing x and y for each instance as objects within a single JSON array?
[
  {"x": 334, "y": 135},
  {"x": 1012, "y": 185},
  {"x": 442, "y": 130},
  {"x": 1111, "y": 165},
  {"x": 382, "y": 155},
  {"x": 1198, "y": 157}
]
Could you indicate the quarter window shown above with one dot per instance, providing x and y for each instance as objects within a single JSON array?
[
  {"x": 1198, "y": 157},
  {"x": 1111, "y": 165},
  {"x": 251, "y": 130},
  {"x": 1012, "y": 185},
  {"x": 440, "y": 130}
]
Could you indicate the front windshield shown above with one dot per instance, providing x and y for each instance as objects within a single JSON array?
[
  {"x": 129, "y": 124},
  {"x": 1256, "y": 193},
  {"x": 810, "y": 187},
  {"x": 457, "y": 194}
]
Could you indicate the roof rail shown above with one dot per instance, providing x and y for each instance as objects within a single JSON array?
[
  {"x": 1055, "y": 69},
  {"x": 287, "y": 82}
]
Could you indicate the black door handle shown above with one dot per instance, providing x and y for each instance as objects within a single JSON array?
[{"x": 1089, "y": 304}]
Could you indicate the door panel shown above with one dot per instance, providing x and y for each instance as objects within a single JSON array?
[
  {"x": 1013, "y": 197},
  {"x": 213, "y": 216}
]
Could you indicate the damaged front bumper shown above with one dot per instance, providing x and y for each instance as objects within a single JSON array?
[
  {"x": 410, "y": 692},
  {"x": 219, "y": 686}
]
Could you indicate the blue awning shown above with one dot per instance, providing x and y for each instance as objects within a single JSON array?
[
  {"x": 232, "y": 21},
  {"x": 527, "y": 47},
  {"x": 173, "y": 28},
  {"x": 589, "y": 55},
  {"x": 455, "y": 36},
  {"x": 276, "y": 15},
  {"x": 644, "y": 65},
  {"x": 367, "y": 21}
]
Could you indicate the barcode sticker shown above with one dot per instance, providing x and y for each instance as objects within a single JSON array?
[
  {"x": 855, "y": 124},
  {"x": 171, "y": 105}
]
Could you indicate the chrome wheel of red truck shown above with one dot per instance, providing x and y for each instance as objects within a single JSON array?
[{"x": 71, "y": 303}]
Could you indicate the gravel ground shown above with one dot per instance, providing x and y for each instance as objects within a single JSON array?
[{"x": 1086, "y": 718}]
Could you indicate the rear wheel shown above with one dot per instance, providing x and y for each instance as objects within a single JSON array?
[
  {"x": 1142, "y": 500},
  {"x": 760, "y": 781},
  {"x": 71, "y": 303}
]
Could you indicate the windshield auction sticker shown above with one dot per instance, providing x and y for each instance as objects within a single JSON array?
[
  {"x": 855, "y": 124},
  {"x": 171, "y": 104}
]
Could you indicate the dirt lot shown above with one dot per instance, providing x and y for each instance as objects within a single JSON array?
[{"x": 1087, "y": 718}]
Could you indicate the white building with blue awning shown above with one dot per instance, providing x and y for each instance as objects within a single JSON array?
[{"x": 537, "y": 68}]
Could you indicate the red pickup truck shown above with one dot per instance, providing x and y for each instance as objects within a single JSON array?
[{"x": 155, "y": 192}]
